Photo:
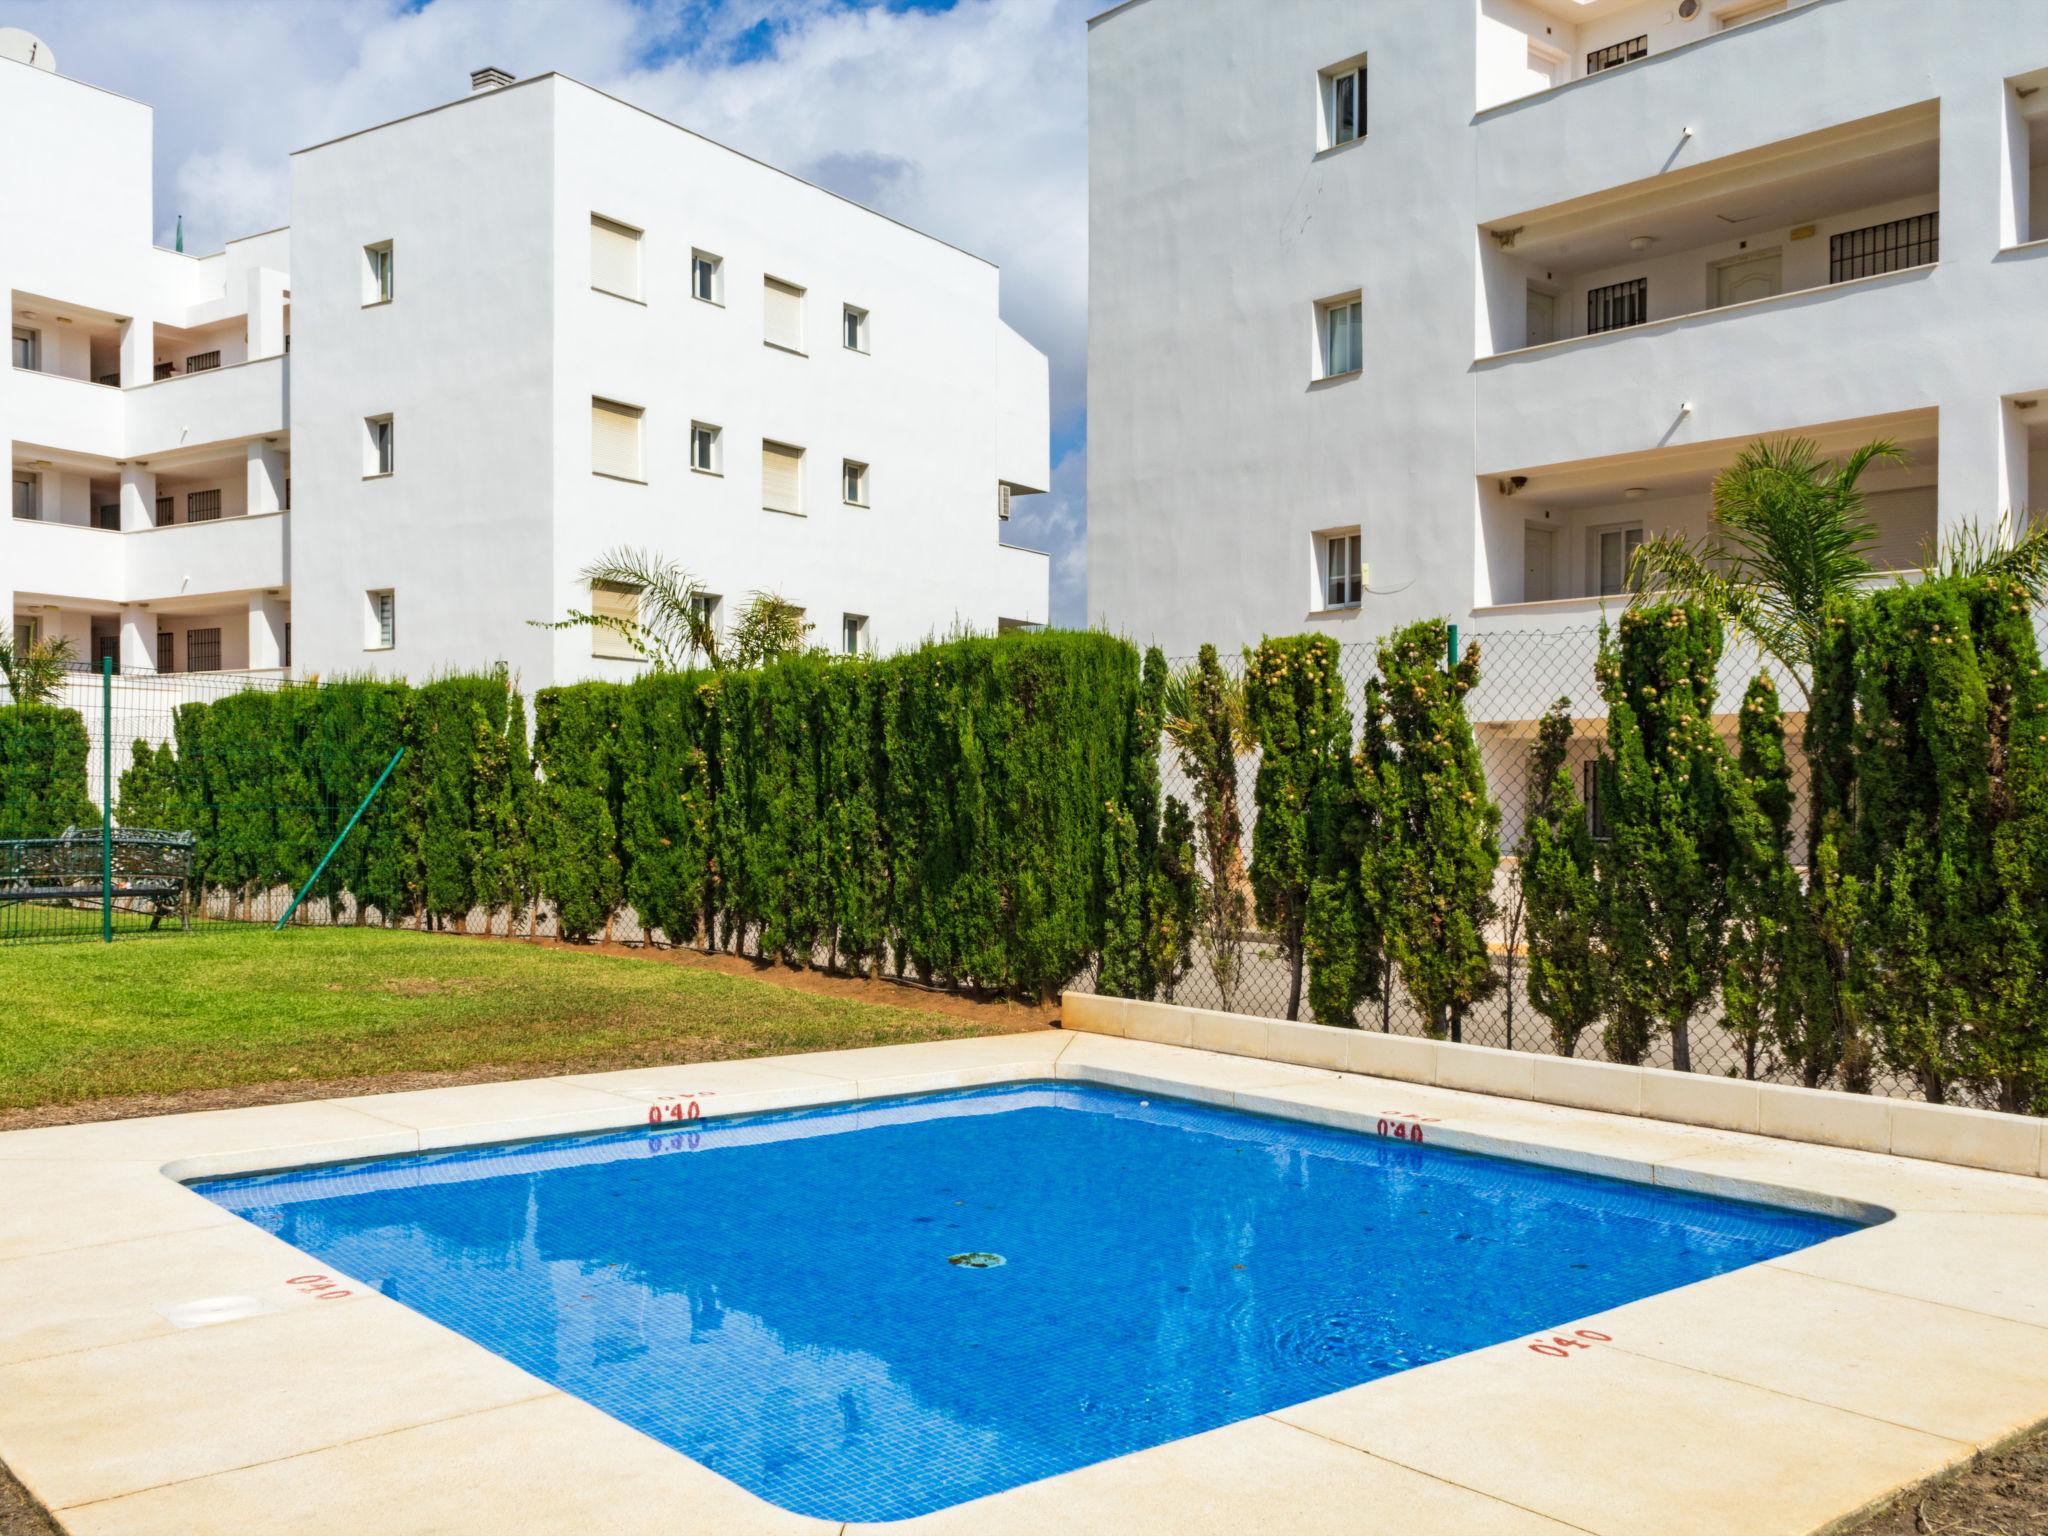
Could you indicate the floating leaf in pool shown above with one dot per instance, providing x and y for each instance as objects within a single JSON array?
[{"x": 978, "y": 1260}]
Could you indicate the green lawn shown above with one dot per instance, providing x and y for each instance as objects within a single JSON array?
[{"x": 242, "y": 1005}]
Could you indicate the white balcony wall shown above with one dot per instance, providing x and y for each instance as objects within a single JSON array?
[
  {"x": 235, "y": 554},
  {"x": 1023, "y": 444},
  {"x": 1022, "y": 582},
  {"x": 222, "y": 405},
  {"x": 51, "y": 411}
]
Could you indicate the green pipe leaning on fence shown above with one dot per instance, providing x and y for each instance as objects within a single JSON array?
[
  {"x": 335, "y": 846},
  {"x": 106, "y": 799}
]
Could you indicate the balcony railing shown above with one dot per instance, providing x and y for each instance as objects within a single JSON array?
[
  {"x": 1618, "y": 53},
  {"x": 200, "y": 362},
  {"x": 1880, "y": 248}
]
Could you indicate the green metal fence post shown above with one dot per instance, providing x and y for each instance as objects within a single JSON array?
[
  {"x": 321, "y": 868},
  {"x": 106, "y": 799},
  {"x": 1451, "y": 656}
]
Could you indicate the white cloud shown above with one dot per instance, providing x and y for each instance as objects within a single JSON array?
[{"x": 969, "y": 123}]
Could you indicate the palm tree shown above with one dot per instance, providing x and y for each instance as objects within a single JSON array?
[
  {"x": 671, "y": 622},
  {"x": 34, "y": 673},
  {"x": 1790, "y": 536}
]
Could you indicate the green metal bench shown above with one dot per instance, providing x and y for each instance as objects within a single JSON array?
[{"x": 151, "y": 868}]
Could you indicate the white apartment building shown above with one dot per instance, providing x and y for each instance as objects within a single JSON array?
[
  {"x": 1400, "y": 309},
  {"x": 499, "y": 339}
]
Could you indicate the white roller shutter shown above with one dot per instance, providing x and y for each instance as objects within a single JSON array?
[
  {"x": 782, "y": 317},
  {"x": 608, "y": 600},
  {"x": 782, "y": 478},
  {"x": 614, "y": 257},
  {"x": 615, "y": 439}
]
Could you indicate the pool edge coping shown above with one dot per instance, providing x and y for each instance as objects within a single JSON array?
[{"x": 224, "y": 1143}]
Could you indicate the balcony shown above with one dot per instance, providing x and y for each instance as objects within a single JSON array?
[
  {"x": 232, "y": 554},
  {"x": 212, "y": 405},
  {"x": 1541, "y": 46},
  {"x": 1557, "y": 539},
  {"x": 1023, "y": 579}
]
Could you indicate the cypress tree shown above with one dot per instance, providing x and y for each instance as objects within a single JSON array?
[
  {"x": 1207, "y": 743},
  {"x": 1173, "y": 900},
  {"x": 1664, "y": 870},
  {"x": 667, "y": 801},
  {"x": 1294, "y": 704},
  {"x": 1445, "y": 829},
  {"x": 1759, "y": 998},
  {"x": 1345, "y": 933},
  {"x": 44, "y": 787},
  {"x": 147, "y": 796},
  {"x": 1568, "y": 969},
  {"x": 577, "y": 862}
]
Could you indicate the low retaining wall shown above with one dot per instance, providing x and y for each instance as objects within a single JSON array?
[{"x": 1968, "y": 1138}]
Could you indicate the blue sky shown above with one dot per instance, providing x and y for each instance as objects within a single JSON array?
[{"x": 965, "y": 118}]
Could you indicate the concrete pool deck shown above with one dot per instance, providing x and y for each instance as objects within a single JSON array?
[{"x": 1778, "y": 1398}]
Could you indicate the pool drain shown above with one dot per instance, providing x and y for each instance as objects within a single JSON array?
[{"x": 977, "y": 1260}]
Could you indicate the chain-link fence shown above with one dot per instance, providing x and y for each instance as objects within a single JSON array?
[
  {"x": 96, "y": 836},
  {"x": 1523, "y": 672}
]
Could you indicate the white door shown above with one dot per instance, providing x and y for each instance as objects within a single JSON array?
[
  {"x": 1542, "y": 325},
  {"x": 1756, "y": 277},
  {"x": 1539, "y": 563}
]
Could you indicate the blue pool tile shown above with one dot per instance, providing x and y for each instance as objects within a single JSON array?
[{"x": 775, "y": 1295}]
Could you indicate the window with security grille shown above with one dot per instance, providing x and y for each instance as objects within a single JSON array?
[
  {"x": 1880, "y": 248},
  {"x": 1618, "y": 305},
  {"x": 203, "y": 361},
  {"x": 1618, "y": 53},
  {"x": 202, "y": 650},
  {"x": 202, "y": 506}
]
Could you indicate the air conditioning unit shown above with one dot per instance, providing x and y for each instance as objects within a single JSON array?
[{"x": 1003, "y": 502}]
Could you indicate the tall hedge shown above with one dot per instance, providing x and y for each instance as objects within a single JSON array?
[
  {"x": 1446, "y": 828},
  {"x": 1664, "y": 869},
  {"x": 1759, "y": 992},
  {"x": 43, "y": 783},
  {"x": 1568, "y": 963},
  {"x": 1349, "y": 828},
  {"x": 1294, "y": 704},
  {"x": 578, "y": 864}
]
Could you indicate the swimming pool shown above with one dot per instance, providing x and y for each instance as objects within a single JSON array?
[{"x": 874, "y": 1310}]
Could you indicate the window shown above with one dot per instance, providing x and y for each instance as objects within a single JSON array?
[
  {"x": 707, "y": 277},
  {"x": 377, "y": 273},
  {"x": 106, "y": 648},
  {"x": 287, "y": 658},
  {"x": 380, "y": 632},
  {"x": 27, "y": 348},
  {"x": 619, "y": 607},
  {"x": 377, "y": 446},
  {"x": 855, "y": 329},
  {"x": 707, "y": 448},
  {"x": 1884, "y": 247},
  {"x": 614, "y": 258},
  {"x": 108, "y": 516},
  {"x": 202, "y": 650},
  {"x": 706, "y": 609},
  {"x": 27, "y": 632},
  {"x": 1616, "y": 549},
  {"x": 202, "y": 506},
  {"x": 1618, "y": 53},
  {"x": 28, "y": 498},
  {"x": 1617, "y": 305},
  {"x": 1343, "y": 572},
  {"x": 166, "y": 511},
  {"x": 166, "y": 651},
  {"x": 854, "y": 484},
  {"x": 1337, "y": 321},
  {"x": 1596, "y": 812},
  {"x": 782, "y": 318},
  {"x": 1343, "y": 94},
  {"x": 203, "y": 362},
  {"x": 853, "y": 633},
  {"x": 782, "y": 478},
  {"x": 614, "y": 439}
]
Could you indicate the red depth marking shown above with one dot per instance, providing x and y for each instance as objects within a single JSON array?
[
  {"x": 319, "y": 1287},
  {"x": 1406, "y": 1128},
  {"x": 675, "y": 1109},
  {"x": 1559, "y": 1346}
]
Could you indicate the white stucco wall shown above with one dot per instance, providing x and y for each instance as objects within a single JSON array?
[{"x": 1215, "y": 226}]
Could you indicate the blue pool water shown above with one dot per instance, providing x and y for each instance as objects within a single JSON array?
[{"x": 773, "y": 1296}]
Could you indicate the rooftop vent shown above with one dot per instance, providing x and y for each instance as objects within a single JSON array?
[{"x": 488, "y": 79}]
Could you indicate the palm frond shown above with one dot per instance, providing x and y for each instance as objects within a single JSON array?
[{"x": 1978, "y": 551}]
